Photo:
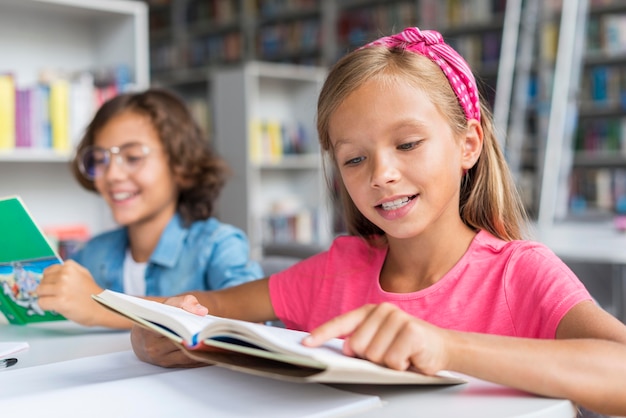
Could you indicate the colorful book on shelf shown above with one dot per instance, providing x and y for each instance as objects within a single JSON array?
[
  {"x": 23, "y": 112},
  {"x": 60, "y": 114},
  {"x": 7, "y": 112},
  {"x": 259, "y": 349},
  {"x": 40, "y": 117},
  {"x": 24, "y": 253}
]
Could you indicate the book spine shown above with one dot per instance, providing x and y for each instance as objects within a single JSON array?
[
  {"x": 81, "y": 105},
  {"x": 59, "y": 114},
  {"x": 22, "y": 117},
  {"x": 7, "y": 112},
  {"x": 44, "y": 133}
]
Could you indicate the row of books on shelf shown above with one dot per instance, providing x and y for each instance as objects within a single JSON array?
[
  {"x": 271, "y": 8},
  {"x": 298, "y": 36},
  {"x": 220, "y": 12},
  {"x": 270, "y": 140},
  {"x": 53, "y": 113},
  {"x": 604, "y": 85},
  {"x": 227, "y": 47},
  {"x": 602, "y": 136},
  {"x": 227, "y": 11},
  {"x": 600, "y": 190},
  {"x": 607, "y": 34},
  {"x": 197, "y": 52},
  {"x": 481, "y": 50},
  {"x": 449, "y": 13},
  {"x": 356, "y": 26},
  {"x": 298, "y": 227},
  {"x": 212, "y": 13}
]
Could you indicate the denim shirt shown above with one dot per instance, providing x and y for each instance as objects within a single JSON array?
[{"x": 206, "y": 255}]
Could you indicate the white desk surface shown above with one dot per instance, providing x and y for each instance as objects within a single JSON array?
[{"x": 62, "y": 341}]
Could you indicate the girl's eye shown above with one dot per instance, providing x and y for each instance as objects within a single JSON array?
[
  {"x": 354, "y": 161},
  {"x": 408, "y": 146}
]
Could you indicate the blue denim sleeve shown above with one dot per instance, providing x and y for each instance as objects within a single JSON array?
[{"x": 230, "y": 262}]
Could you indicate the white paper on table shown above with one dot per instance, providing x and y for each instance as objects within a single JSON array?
[{"x": 8, "y": 348}]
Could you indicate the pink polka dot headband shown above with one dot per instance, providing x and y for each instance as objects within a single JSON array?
[{"x": 430, "y": 44}]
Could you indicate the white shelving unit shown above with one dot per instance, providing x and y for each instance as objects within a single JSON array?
[
  {"x": 262, "y": 91},
  {"x": 67, "y": 35}
]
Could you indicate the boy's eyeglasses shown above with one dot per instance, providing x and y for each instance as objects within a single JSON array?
[{"x": 93, "y": 162}]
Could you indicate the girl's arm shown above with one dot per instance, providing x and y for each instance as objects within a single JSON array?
[
  {"x": 586, "y": 363},
  {"x": 248, "y": 301}
]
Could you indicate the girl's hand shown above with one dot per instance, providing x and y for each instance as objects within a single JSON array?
[
  {"x": 189, "y": 303},
  {"x": 386, "y": 335},
  {"x": 67, "y": 288}
]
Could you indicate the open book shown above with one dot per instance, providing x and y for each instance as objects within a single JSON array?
[
  {"x": 259, "y": 349},
  {"x": 24, "y": 253}
]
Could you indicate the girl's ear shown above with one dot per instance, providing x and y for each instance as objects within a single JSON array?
[{"x": 472, "y": 144}]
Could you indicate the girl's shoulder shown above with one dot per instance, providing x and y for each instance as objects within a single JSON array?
[
  {"x": 522, "y": 250},
  {"x": 488, "y": 241}
]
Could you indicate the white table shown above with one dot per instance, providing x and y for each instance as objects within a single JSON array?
[{"x": 57, "y": 342}]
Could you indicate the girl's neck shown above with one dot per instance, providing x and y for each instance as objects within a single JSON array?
[
  {"x": 415, "y": 264},
  {"x": 143, "y": 237}
]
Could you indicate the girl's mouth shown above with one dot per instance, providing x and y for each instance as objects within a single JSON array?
[{"x": 396, "y": 204}]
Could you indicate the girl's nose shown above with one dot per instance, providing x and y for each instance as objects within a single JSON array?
[{"x": 384, "y": 170}]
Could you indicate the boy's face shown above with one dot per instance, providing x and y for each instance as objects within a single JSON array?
[
  {"x": 399, "y": 159},
  {"x": 142, "y": 194}
]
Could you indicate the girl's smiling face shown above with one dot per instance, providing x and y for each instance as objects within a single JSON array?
[{"x": 399, "y": 158}]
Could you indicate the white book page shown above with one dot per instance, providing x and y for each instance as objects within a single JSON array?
[{"x": 183, "y": 323}]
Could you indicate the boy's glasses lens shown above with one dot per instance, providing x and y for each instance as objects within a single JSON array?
[{"x": 94, "y": 161}]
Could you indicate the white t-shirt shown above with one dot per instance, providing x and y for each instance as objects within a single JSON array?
[{"x": 134, "y": 276}]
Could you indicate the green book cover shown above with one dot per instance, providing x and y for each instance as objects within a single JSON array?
[{"x": 24, "y": 254}]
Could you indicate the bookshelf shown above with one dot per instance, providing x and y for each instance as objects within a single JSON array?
[
  {"x": 65, "y": 36},
  {"x": 302, "y": 33},
  {"x": 265, "y": 129},
  {"x": 598, "y": 174},
  {"x": 587, "y": 182}
]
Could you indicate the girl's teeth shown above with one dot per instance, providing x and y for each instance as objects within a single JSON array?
[{"x": 398, "y": 203}]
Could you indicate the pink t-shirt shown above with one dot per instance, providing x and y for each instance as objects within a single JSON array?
[{"x": 517, "y": 288}]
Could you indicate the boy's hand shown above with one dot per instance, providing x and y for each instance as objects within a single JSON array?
[
  {"x": 386, "y": 335},
  {"x": 159, "y": 350},
  {"x": 67, "y": 288},
  {"x": 154, "y": 348}
]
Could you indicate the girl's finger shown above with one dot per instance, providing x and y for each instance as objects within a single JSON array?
[{"x": 337, "y": 327}]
